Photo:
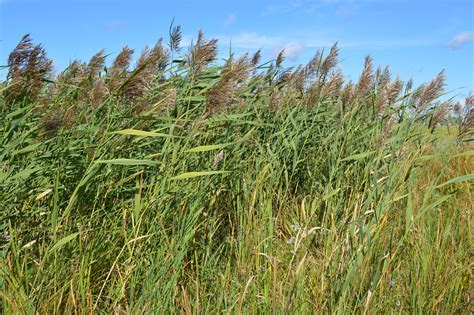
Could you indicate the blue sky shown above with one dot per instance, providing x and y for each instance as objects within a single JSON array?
[{"x": 416, "y": 38}]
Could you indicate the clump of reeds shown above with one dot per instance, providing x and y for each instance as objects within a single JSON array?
[
  {"x": 150, "y": 82},
  {"x": 28, "y": 67},
  {"x": 465, "y": 115},
  {"x": 224, "y": 92},
  {"x": 150, "y": 66},
  {"x": 183, "y": 185}
]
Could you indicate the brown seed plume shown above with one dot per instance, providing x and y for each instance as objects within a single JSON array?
[
  {"x": 202, "y": 53},
  {"x": 28, "y": 66},
  {"x": 347, "y": 95},
  {"x": 366, "y": 78},
  {"x": 427, "y": 93},
  {"x": 382, "y": 77},
  {"x": 466, "y": 120},
  {"x": 280, "y": 58},
  {"x": 175, "y": 38},
  {"x": 394, "y": 90},
  {"x": 150, "y": 66},
  {"x": 329, "y": 62},
  {"x": 224, "y": 92},
  {"x": 256, "y": 57},
  {"x": 96, "y": 64},
  {"x": 313, "y": 67},
  {"x": 118, "y": 71}
]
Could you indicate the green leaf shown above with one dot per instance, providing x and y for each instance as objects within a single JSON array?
[
  {"x": 141, "y": 133},
  {"x": 328, "y": 196},
  {"x": 128, "y": 162},
  {"x": 409, "y": 211},
  {"x": 197, "y": 174},
  {"x": 210, "y": 147},
  {"x": 458, "y": 179},
  {"x": 358, "y": 156},
  {"x": 62, "y": 242},
  {"x": 25, "y": 173}
]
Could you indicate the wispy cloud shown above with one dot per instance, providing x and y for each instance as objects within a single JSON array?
[
  {"x": 231, "y": 19},
  {"x": 255, "y": 40},
  {"x": 461, "y": 39},
  {"x": 292, "y": 50},
  {"x": 300, "y": 42}
]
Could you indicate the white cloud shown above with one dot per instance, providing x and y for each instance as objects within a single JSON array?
[
  {"x": 230, "y": 20},
  {"x": 461, "y": 39},
  {"x": 304, "y": 41},
  {"x": 292, "y": 50}
]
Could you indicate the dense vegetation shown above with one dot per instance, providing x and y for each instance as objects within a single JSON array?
[{"x": 192, "y": 185}]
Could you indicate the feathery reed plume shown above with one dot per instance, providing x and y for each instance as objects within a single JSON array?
[
  {"x": 118, "y": 71},
  {"x": 427, "y": 93},
  {"x": 98, "y": 92},
  {"x": 284, "y": 76},
  {"x": 275, "y": 103},
  {"x": 202, "y": 53},
  {"x": 329, "y": 62},
  {"x": 347, "y": 95},
  {"x": 73, "y": 74},
  {"x": 96, "y": 64},
  {"x": 333, "y": 86},
  {"x": 313, "y": 66},
  {"x": 280, "y": 58},
  {"x": 150, "y": 66},
  {"x": 298, "y": 79},
  {"x": 394, "y": 90},
  {"x": 224, "y": 92},
  {"x": 175, "y": 38},
  {"x": 317, "y": 71},
  {"x": 28, "y": 66},
  {"x": 466, "y": 119},
  {"x": 387, "y": 92},
  {"x": 457, "y": 108},
  {"x": 382, "y": 78},
  {"x": 366, "y": 78},
  {"x": 440, "y": 114},
  {"x": 256, "y": 57}
]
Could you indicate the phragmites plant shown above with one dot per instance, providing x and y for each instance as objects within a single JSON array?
[
  {"x": 427, "y": 93},
  {"x": 156, "y": 80},
  {"x": 201, "y": 53},
  {"x": 175, "y": 38},
  {"x": 28, "y": 67},
  {"x": 224, "y": 92},
  {"x": 176, "y": 182},
  {"x": 118, "y": 72},
  {"x": 465, "y": 115},
  {"x": 150, "y": 66}
]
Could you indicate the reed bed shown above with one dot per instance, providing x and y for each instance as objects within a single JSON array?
[{"x": 187, "y": 184}]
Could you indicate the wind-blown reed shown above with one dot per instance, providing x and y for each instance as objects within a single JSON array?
[{"x": 183, "y": 184}]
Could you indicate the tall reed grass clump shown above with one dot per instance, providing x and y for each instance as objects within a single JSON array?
[{"x": 184, "y": 184}]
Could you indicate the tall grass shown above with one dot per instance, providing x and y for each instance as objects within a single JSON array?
[{"x": 187, "y": 185}]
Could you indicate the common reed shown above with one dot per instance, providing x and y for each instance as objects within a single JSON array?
[
  {"x": 184, "y": 184},
  {"x": 28, "y": 66}
]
